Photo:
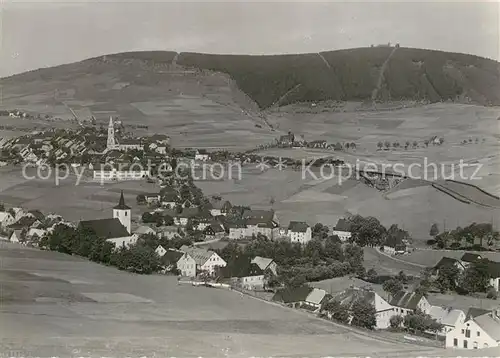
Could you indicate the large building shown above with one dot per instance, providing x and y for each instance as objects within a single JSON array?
[{"x": 480, "y": 329}]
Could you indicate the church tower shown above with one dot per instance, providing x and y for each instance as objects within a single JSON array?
[
  {"x": 111, "y": 135},
  {"x": 122, "y": 212}
]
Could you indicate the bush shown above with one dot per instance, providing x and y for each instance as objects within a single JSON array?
[
  {"x": 492, "y": 294},
  {"x": 396, "y": 321}
]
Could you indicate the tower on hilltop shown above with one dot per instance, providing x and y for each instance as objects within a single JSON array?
[
  {"x": 122, "y": 212},
  {"x": 111, "y": 144}
]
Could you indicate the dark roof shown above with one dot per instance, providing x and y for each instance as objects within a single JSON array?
[
  {"x": 106, "y": 228},
  {"x": 298, "y": 226},
  {"x": 343, "y": 225},
  {"x": 215, "y": 227},
  {"x": 493, "y": 268},
  {"x": 121, "y": 204},
  {"x": 263, "y": 215},
  {"x": 241, "y": 267},
  {"x": 474, "y": 312},
  {"x": 408, "y": 300},
  {"x": 290, "y": 295},
  {"x": 446, "y": 262},
  {"x": 470, "y": 257},
  {"x": 394, "y": 242},
  {"x": 37, "y": 214},
  {"x": 171, "y": 257}
]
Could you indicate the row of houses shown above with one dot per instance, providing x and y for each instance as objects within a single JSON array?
[{"x": 475, "y": 329}]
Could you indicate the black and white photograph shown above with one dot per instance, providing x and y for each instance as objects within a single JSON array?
[{"x": 249, "y": 178}]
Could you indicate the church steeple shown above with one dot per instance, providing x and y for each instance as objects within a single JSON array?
[
  {"x": 121, "y": 204},
  {"x": 123, "y": 213},
  {"x": 111, "y": 144}
]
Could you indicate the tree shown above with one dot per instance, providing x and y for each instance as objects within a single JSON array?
[
  {"x": 476, "y": 277},
  {"x": 338, "y": 146},
  {"x": 371, "y": 274},
  {"x": 434, "y": 230},
  {"x": 2, "y": 207},
  {"x": 363, "y": 314},
  {"x": 447, "y": 278},
  {"x": 337, "y": 311},
  {"x": 392, "y": 286},
  {"x": 407, "y": 144},
  {"x": 380, "y": 145},
  {"x": 387, "y": 144},
  {"x": 415, "y": 144},
  {"x": 396, "y": 321},
  {"x": 426, "y": 142}
]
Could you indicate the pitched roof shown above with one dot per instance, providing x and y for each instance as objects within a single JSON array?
[
  {"x": 298, "y": 226},
  {"x": 171, "y": 257},
  {"x": 263, "y": 215},
  {"x": 474, "y": 312},
  {"x": 448, "y": 317},
  {"x": 408, "y": 300},
  {"x": 106, "y": 228},
  {"x": 490, "y": 324},
  {"x": 37, "y": 214},
  {"x": 316, "y": 296},
  {"x": 343, "y": 225},
  {"x": 353, "y": 294},
  {"x": 493, "y": 268},
  {"x": 446, "y": 262},
  {"x": 216, "y": 227},
  {"x": 142, "y": 230},
  {"x": 262, "y": 262},
  {"x": 289, "y": 295},
  {"x": 470, "y": 257},
  {"x": 201, "y": 256},
  {"x": 241, "y": 267},
  {"x": 121, "y": 204}
]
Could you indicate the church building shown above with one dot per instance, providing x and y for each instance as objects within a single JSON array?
[{"x": 117, "y": 229}]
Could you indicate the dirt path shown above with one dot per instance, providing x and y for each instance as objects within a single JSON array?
[
  {"x": 174, "y": 60},
  {"x": 381, "y": 74},
  {"x": 324, "y": 60},
  {"x": 277, "y": 103}
]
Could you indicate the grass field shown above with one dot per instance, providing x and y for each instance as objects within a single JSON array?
[{"x": 57, "y": 305}]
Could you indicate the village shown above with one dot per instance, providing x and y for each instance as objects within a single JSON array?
[{"x": 209, "y": 241}]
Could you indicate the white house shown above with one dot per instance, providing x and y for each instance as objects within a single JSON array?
[
  {"x": 36, "y": 232},
  {"x": 300, "y": 232},
  {"x": 6, "y": 219},
  {"x": 160, "y": 251},
  {"x": 342, "y": 230},
  {"x": 237, "y": 231},
  {"x": 201, "y": 155},
  {"x": 481, "y": 329},
  {"x": 448, "y": 317},
  {"x": 219, "y": 207},
  {"x": 206, "y": 260},
  {"x": 394, "y": 246},
  {"x": 187, "y": 265},
  {"x": 383, "y": 310},
  {"x": 184, "y": 263},
  {"x": 303, "y": 296},
  {"x": 265, "y": 263},
  {"x": 15, "y": 236}
]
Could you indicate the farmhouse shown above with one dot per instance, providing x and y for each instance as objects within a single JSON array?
[
  {"x": 299, "y": 231},
  {"x": 408, "y": 302},
  {"x": 384, "y": 311},
  {"x": 342, "y": 230},
  {"x": 219, "y": 207},
  {"x": 446, "y": 262},
  {"x": 180, "y": 260},
  {"x": 394, "y": 246},
  {"x": 206, "y": 261},
  {"x": 201, "y": 155},
  {"x": 152, "y": 198},
  {"x": 6, "y": 219},
  {"x": 480, "y": 329},
  {"x": 261, "y": 216},
  {"x": 237, "y": 230},
  {"x": 302, "y": 297},
  {"x": 469, "y": 258},
  {"x": 244, "y": 273},
  {"x": 448, "y": 317},
  {"x": 16, "y": 236},
  {"x": 265, "y": 263},
  {"x": 160, "y": 251},
  {"x": 214, "y": 230}
]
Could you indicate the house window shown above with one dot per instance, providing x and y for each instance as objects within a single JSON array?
[
  {"x": 463, "y": 331},
  {"x": 478, "y": 333},
  {"x": 455, "y": 342},
  {"x": 465, "y": 343},
  {"x": 467, "y": 333},
  {"x": 474, "y": 345},
  {"x": 125, "y": 213}
]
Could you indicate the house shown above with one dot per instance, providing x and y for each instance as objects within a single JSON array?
[
  {"x": 237, "y": 230},
  {"x": 260, "y": 216},
  {"x": 144, "y": 230},
  {"x": 448, "y": 262},
  {"x": 168, "y": 232},
  {"x": 302, "y": 297},
  {"x": 186, "y": 264},
  {"x": 448, "y": 317},
  {"x": 130, "y": 144},
  {"x": 256, "y": 226},
  {"x": 107, "y": 172},
  {"x": 286, "y": 139},
  {"x": 152, "y": 198},
  {"x": 214, "y": 230},
  {"x": 206, "y": 260},
  {"x": 6, "y": 219},
  {"x": 37, "y": 214},
  {"x": 169, "y": 200},
  {"x": 469, "y": 258},
  {"x": 317, "y": 144},
  {"x": 201, "y": 155},
  {"x": 342, "y": 230},
  {"x": 394, "y": 246},
  {"x": 186, "y": 214},
  {"x": 266, "y": 264},
  {"x": 243, "y": 273},
  {"x": 160, "y": 251},
  {"x": 383, "y": 310},
  {"x": 408, "y": 302},
  {"x": 16, "y": 236},
  {"x": 219, "y": 207},
  {"x": 35, "y": 233},
  {"x": 480, "y": 329},
  {"x": 299, "y": 231},
  {"x": 494, "y": 272}
]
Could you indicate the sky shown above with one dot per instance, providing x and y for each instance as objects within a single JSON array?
[{"x": 39, "y": 33}]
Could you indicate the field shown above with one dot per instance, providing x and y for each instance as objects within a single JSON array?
[{"x": 57, "y": 305}]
